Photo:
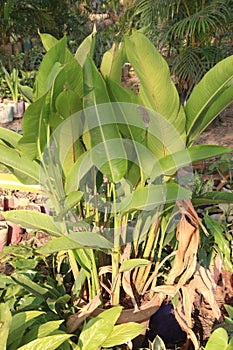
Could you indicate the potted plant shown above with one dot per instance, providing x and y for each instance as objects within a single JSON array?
[
  {"x": 114, "y": 167},
  {"x": 13, "y": 81}
]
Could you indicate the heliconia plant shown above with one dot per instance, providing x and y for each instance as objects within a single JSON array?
[{"x": 114, "y": 166}]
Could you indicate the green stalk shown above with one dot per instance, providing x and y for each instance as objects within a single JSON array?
[
  {"x": 116, "y": 282},
  {"x": 144, "y": 271},
  {"x": 94, "y": 274},
  {"x": 72, "y": 259},
  {"x": 73, "y": 263},
  {"x": 163, "y": 228}
]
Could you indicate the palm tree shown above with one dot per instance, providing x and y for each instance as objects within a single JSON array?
[{"x": 193, "y": 35}]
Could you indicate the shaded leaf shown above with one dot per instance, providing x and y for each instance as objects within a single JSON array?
[
  {"x": 51, "y": 342},
  {"x": 76, "y": 240}
]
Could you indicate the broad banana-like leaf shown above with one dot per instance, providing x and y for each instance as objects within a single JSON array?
[
  {"x": 118, "y": 93},
  {"x": 67, "y": 103},
  {"x": 86, "y": 48},
  {"x": 148, "y": 198},
  {"x": 112, "y": 63},
  {"x": 27, "y": 92},
  {"x": 48, "y": 40},
  {"x": 163, "y": 137},
  {"x": 76, "y": 240},
  {"x": 69, "y": 79},
  {"x": 101, "y": 134},
  {"x": 35, "y": 121},
  {"x": 132, "y": 119},
  {"x": 70, "y": 147},
  {"x": 79, "y": 169},
  {"x": 170, "y": 164},
  {"x": 209, "y": 97},
  {"x": 34, "y": 220},
  {"x": 157, "y": 91},
  {"x": 9, "y": 137},
  {"x": 26, "y": 170},
  {"x": 50, "y": 67}
]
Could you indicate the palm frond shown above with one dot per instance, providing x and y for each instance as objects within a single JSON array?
[{"x": 213, "y": 17}]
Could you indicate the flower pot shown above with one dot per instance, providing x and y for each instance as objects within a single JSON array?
[
  {"x": 3, "y": 236},
  {"x": 14, "y": 233},
  {"x": 19, "y": 109},
  {"x": 8, "y": 49},
  {"x": 17, "y": 47},
  {"x": 6, "y": 114}
]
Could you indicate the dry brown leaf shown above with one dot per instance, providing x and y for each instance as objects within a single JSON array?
[
  {"x": 187, "y": 208},
  {"x": 188, "y": 238},
  {"x": 204, "y": 284},
  {"x": 170, "y": 290},
  {"x": 126, "y": 284},
  {"x": 74, "y": 321},
  {"x": 187, "y": 329},
  {"x": 183, "y": 314},
  {"x": 216, "y": 268}
]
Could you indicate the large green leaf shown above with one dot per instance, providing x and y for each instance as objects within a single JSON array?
[
  {"x": 163, "y": 138},
  {"x": 48, "y": 41},
  {"x": 35, "y": 121},
  {"x": 102, "y": 135},
  {"x": 10, "y": 137},
  {"x": 26, "y": 170},
  {"x": 70, "y": 78},
  {"x": 118, "y": 93},
  {"x": 148, "y": 198},
  {"x": 79, "y": 169},
  {"x": 76, "y": 240},
  {"x": 51, "y": 342},
  {"x": 68, "y": 102},
  {"x": 157, "y": 91},
  {"x": 50, "y": 67},
  {"x": 170, "y": 164},
  {"x": 209, "y": 97},
  {"x": 86, "y": 48},
  {"x": 34, "y": 220}
]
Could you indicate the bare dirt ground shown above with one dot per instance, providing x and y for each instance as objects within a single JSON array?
[{"x": 220, "y": 131}]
